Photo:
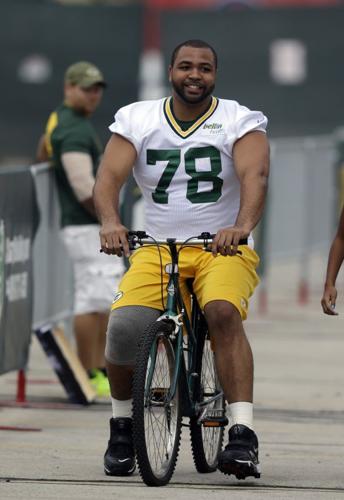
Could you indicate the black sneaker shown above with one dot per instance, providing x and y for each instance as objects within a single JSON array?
[
  {"x": 119, "y": 458},
  {"x": 240, "y": 457}
]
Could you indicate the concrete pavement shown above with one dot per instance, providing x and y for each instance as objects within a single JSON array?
[{"x": 299, "y": 401}]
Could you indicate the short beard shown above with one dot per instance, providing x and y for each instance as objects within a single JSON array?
[{"x": 198, "y": 100}]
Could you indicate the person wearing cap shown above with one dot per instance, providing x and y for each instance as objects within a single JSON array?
[{"x": 71, "y": 143}]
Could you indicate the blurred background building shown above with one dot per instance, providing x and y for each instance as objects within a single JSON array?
[{"x": 282, "y": 56}]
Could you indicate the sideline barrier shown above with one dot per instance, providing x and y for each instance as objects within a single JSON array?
[
  {"x": 53, "y": 291},
  {"x": 51, "y": 295},
  {"x": 36, "y": 280}
]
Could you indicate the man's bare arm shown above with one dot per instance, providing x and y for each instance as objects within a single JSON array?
[
  {"x": 335, "y": 260},
  {"x": 79, "y": 171},
  {"x": 251, "y": 162},
  {"x": 115, "y": 167}
]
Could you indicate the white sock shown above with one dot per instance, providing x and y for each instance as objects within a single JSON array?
[
  {"x": 241, "y": 413},
  {"x": 121, "y": 408}
]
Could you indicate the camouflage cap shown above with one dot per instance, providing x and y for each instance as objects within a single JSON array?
[{"x": 84, "y": 74}]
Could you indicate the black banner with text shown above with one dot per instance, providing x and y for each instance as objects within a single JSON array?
[{"x": 18, "y": 221}]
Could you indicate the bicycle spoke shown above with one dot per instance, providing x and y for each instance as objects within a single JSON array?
[
  {"x": 207, "y": 441},
  {"x": 209, "y": 383},
  {"x": 159, "y": 433}
]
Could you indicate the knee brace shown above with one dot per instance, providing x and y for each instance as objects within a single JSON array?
[{"x": 125, "y": 327}]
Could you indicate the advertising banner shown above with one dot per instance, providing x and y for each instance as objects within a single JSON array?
[{"x": 18, "y": 221}]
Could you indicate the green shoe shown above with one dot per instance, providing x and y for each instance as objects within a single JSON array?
[{"x": 100, "y": 383}]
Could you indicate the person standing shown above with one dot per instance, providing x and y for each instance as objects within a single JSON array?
[
  {"x": 71, "y": 143},
  {"x": 202, "y": 164}
]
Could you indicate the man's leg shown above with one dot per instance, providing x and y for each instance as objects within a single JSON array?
[
  {"x": 234, "y": 364},
  {"x": 125, "y": 327},
  {"x": 103, "y": 319},
  {"x": 90, "y": 335},
  {"x": 120, "y": 378},
  {"x": 98, "y": 375},
  {"x": 85, "y": 330},
  {"x": 233, "y": 355}
]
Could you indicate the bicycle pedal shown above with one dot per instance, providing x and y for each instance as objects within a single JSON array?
[{"x": 215, "y": 422}]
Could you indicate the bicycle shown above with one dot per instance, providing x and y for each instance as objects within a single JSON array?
[{"x": 175, "y": 377}]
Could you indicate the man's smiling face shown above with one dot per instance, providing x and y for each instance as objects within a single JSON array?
[{"x": 193, "y": 74}]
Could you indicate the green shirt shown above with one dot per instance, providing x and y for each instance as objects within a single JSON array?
[{"x": 69, "y": 131}]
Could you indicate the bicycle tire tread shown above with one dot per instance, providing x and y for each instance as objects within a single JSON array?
[{"x": 139, "y": 378}]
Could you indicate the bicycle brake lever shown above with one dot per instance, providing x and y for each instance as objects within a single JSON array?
[
  {"x": 206, "y": 236},
  {"x": 139, "y": 234}
]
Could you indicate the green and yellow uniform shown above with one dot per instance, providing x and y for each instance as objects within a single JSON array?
[{"x": 70, "y": 131}]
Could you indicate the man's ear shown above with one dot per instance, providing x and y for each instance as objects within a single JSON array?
[{"x": 169, "y": 73}]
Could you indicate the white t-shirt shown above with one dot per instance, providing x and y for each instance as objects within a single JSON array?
[{"x": 187, "y": 178}]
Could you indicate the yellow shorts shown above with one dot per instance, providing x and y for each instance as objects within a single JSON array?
[{"x": 214, "y": 278}]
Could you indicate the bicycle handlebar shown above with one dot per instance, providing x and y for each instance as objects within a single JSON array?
[{"x": 141, "y": 237}]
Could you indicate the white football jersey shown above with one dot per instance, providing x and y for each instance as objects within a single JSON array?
[{"x": 187, "y": 178}]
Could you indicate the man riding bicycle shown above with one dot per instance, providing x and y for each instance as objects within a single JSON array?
[{"x": 202, "y": 164}]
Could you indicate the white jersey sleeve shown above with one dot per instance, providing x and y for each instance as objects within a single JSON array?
[
  {"x": 249, "y": 121},
  {"x": 124, "y": 125}
]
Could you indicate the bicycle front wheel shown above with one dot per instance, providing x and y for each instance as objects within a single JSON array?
[
  {"x": 156, "y": 411},
  {"x": 206, "y": 442}
]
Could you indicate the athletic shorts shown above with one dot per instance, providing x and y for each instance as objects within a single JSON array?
[
  {"x": 214, "y": 278},
  {"x": 96, "y": 275}
]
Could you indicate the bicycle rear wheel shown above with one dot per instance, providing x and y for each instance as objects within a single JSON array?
[
  {"x": 206, "y": 442},
  {"x": 156, "y": 414}
]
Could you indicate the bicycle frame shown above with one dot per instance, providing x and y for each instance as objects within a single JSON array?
[{"x": 175, "y": 312}]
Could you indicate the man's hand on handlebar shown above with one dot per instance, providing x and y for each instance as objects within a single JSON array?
[
  {"x": 226, "y": 240},
  {"x": 114, "y": 239},
  {"x": 117, "y": 239}
]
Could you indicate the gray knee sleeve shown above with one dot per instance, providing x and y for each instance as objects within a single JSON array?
[{"x": 124, "y": 330}]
